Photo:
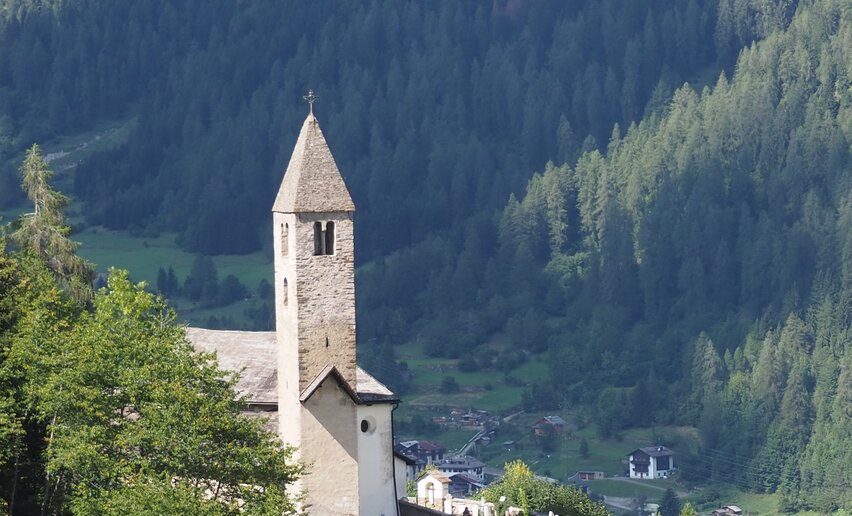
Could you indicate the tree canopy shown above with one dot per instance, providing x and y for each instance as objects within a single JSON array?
[
  {"x": 520, "y": 488},
  {"x": 105, "y": 408}
]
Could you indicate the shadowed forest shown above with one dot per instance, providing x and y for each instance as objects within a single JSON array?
[{"x": 655, "y": 195}]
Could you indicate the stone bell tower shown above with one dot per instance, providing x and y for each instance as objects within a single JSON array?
[
  {"x": 315, "y": 260},
  {"x": 315, "y": 322}
]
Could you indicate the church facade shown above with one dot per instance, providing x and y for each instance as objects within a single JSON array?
[{"x": 304, "y": 376}]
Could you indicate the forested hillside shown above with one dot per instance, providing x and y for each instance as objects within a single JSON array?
[
  {"x": 683, "y": 256},
  {"x": 436, "y": 111},
  {"x": 700, "y": 269}
]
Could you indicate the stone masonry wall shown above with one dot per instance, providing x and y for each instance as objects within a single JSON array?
[{"x": 325, "y": 298}]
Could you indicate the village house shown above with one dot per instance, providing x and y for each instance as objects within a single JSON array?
[
  {"x": 547, "y": 423},
  {"x": 435, "y": 491},
  {"x": 590, "y": 475},
  {"x": 651, "y": 462},
  {"x": 409, "y": 463},
  {"x": 728, "y": 510},
  {"x": 462, "y": 484},
  {"x": 468, "y": 465},
  {"x": 431, "y": 451}
]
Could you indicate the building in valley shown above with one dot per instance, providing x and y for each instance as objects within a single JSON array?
[{"x": 651, "y": 462}]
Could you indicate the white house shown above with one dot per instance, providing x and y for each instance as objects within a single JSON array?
[
  {"x": 651, "y": 462},
  {"x": 468, "y": 465},
  {"x": 304, "y": 374}
]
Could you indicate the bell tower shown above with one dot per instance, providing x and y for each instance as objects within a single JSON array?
[
  {"x": 315, "y": 260},
  {"x": 315, "y": 321}
]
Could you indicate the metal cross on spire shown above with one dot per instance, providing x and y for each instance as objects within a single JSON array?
[{"x": 311, "y": 98}]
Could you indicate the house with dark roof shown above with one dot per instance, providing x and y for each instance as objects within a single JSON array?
[
  {"x": 470, "y": 466},
  {"x": 431, "y": 451},
  {"x": 651, "y": 462},
  {"x": 462, "y": 484},
  {"x": 547, "y": 424}
]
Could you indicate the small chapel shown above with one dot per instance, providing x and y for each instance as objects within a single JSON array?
[{"x": 304, "y": 375}]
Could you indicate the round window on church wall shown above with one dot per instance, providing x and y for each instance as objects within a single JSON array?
[{"x": 365, "y": 425}]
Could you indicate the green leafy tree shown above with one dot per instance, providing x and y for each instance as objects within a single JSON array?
[
  {"x": 688, "y": 510},
  {"x": 134, "y": 420},
  {"x": 520, "y": 488},
  {"x": 44, "y": 232}
]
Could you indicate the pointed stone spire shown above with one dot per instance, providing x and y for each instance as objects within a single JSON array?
[{"x": 312, "y": 182}]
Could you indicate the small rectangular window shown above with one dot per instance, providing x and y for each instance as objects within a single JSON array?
[
  {"x": 319, "y": 239},
  {"x": 329, "y": 238}
]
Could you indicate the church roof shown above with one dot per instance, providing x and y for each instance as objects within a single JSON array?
[
  {"x": 255, "y": 354},
  {"x": 312, "y": 182},
  {"x": 253, "y": 351}
]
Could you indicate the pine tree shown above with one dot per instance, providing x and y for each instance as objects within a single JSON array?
[
  {"x": 44, "y": 233},
  {"x": 669, "y": 505},
  {"x": 162, "y": 281}
]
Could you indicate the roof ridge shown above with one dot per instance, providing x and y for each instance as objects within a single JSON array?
[{"x": 327, "y": 371}]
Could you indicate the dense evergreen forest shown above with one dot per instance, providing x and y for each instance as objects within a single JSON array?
[{"x": 683, "y": 256}]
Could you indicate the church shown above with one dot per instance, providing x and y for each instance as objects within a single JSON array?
[{"x": 304, "y": 375}]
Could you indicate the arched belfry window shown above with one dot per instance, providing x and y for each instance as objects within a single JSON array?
[
  {"x": 329, "y": 238},
  {"x": 323, "y": 238},
  {"x": 285, "y": 229}
]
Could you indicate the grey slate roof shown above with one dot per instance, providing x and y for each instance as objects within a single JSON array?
[
  {"x": 312, "y": 182},
  {"x": 654, "y": 451},
  {"x": 253, "y": 350},
  {"x": 460, "y": 462},
  {"x": 371, "y": 390},
  {"x": 255, "y": 353}
]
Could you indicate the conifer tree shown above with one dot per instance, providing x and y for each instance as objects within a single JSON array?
[
  {"x": 669, "y": 505},
  {"x": 44, "y": 232}
]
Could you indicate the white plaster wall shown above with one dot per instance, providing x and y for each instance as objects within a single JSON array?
[
  {"x": 634, "y": 474},
  {"x": 401, "y": 479},
  {"x": 423, "y": 497},
  {"x": 330, "y": 449},
  {"x": 289, "y": 407},
  {"x": 376, "y": 460}
]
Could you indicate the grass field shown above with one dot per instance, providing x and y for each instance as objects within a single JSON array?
[
  {"x": 753, "y": 504},
  {"x": 621, "y": 488},
  {"x": 143, "y": 256},
  {"x": 565, "y": 459},
  {"x": 485, "y": 390}
]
